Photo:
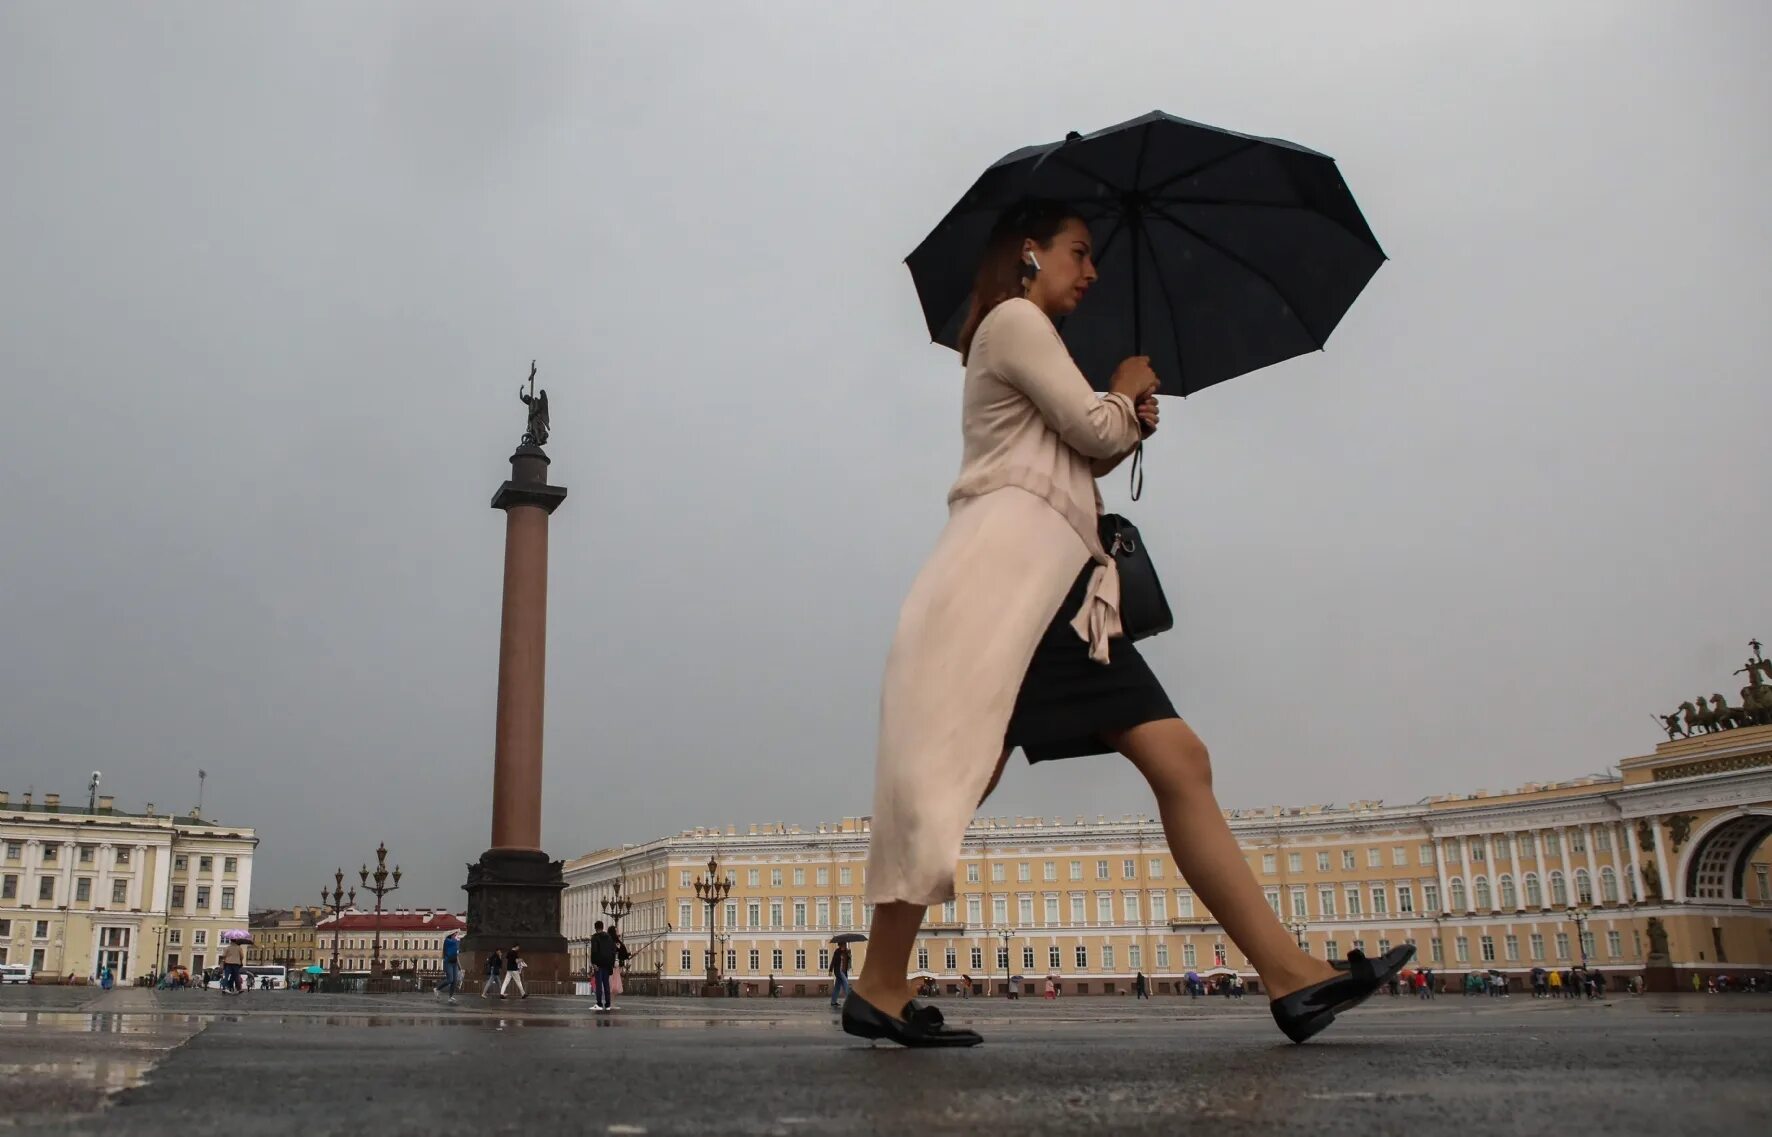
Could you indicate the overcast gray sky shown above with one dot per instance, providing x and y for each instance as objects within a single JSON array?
[{"x": 271, "y": 276}]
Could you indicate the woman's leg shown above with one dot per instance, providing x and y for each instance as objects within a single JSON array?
[
  {"x": 1175, "y": 763},
  {"x": 884, "y": 981}
]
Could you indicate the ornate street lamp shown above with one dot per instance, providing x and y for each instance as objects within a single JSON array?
[
  {"x": 1580, "y": 913},
  {"x": 1298, "y": 929},
  {"x": 617, "y": 906},
  {"x": 1004, "y": 934},
  {"x": 337, "y": 903},
  {"x": 711, "y": 890},
  {"x": 381, "y": 888}
]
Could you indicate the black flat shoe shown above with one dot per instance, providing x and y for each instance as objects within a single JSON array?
[
  {"x": 921, "y": 1026},
  {"x": 1309, "y": 1009}
]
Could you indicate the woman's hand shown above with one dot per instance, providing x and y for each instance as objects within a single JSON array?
[
  {"x": 1134, "y": 378},
  {"x": 1148, "y": 414}
]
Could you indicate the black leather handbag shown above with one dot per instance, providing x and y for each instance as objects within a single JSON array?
[{"x": 1144, "y": 610}]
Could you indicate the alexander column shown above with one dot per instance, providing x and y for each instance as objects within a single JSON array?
[{"x": 514, "y": 891}]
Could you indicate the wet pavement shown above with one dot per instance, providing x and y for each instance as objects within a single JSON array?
[{"x": 272, "y": 1063}]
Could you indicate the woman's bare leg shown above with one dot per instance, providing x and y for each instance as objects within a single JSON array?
[
  {"x": 885, "y": 976},
  {"x": 1175, "y": 763}
]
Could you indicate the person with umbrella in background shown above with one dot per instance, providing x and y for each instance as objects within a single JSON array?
[
  {"x": 1215, "y": 253},
  {"x": 841, "y": 962}
]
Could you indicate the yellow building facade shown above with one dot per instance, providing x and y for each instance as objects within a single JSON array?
[
  {"x": 1662, "y": 872},
  {"x": 83, "y": 885}
]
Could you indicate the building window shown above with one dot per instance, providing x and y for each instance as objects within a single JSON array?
[
  {"x": 86, "y": 854},
  {"x": 1584, "y": 886},
  {"x": 228, "y": 899},
  {"x": 972, "y": 876},
  {"x": 922, "y": 958},
  {"x": 1325, "y": 902},
  {"x": 1399, "y": 856},
  {"x": 205, "y": 864},
  {"x": 178, "y": 896},
  {"x": 799, "y": 878},
  {"x": 1510, "y": 898},
  {"x": 1159, "y": 908},
  {"x": 1380, "y": 902},
  {"x": 1478, "y": 851},
  {"x": 1188, "y": 958},
  {"x": 200, "y": 937},
  {"x": 843, "y": 876},
  {"x": 1449, "y": 852},
  {"x": 1487, "y": 944},
  {"x": 799, "y": 959},
  {"x": 775, "y": 914},
  {"x": 1049, "y": 871},
  {"x": 1437, "y": 950},
  {"x": 755, "y": 960},
  {"x": 1512, "y": 944},
  {"x": 1536, "y": 943},
  {"x": 1101, "y": 870},
  {"x": 799, "y": 914},
  {"x": 1076, "y": 908},
  {"x": 754, "y": 914},
  {"x": 82, "y": 889},
  {"x": 14, "y": 850},
  {"x": 1503, "y": 847},
  {"x": 40, "y": 930},
  {"x": 974, "y": 911},
  {"x": 1298, "y": 908},
  {"x": 1374, "y": 858},
  {"x": 1184, "y": 905},
  {"x": 685, "y": 959},
  {"x": 1353, "y": 901},
  {"x": 1405, "y": 898},
  {"x": 1269, "y": 863},
  {"x": 1553, "y": 845},
  {"x": 1349, "y": 859},
  {"x": 1024, "y": 911},
  {"x": 1765, "y": 882},
  {"x": 1425, "y": 855},
  {"x": 1104, "y": 909},
  {"x": 1458, "y": 896},
  {"x": 952, "y": 960},
  {"x": 230, "y": 864},
  {"x": 948, "y": 911},
  {"x": 977, "y": 959},
  {"x": 751, "y": 881},
  {"x": 1614, "y": 941},
  {"x": 119, "y": 892},
  {"x": 46, "y": 888},
  {"x": 1155, "y": 870},
  {"x": 1322, "y": 862},
  {"x": 1082, "y": 958},
  {"x": 1527, "y": 846},
  {"x": 1587, "y": 944},
  {"x": 1076, "y": 870},
  {"x": 174, "y": 937},
  {"x": 1331, "y": 950},
  {"x": 1052, "y": 911},
  {"x": 1462, "y": 949},
  {"x": 1608, "y": 884},
  {"x": 775, "y": 959},
  {"x": 1294, "y": 862},
  {"x": 1484, "y": 895},
  {"x": 685, "y": 919},
  {"x": 50, "y": 854},
  {"x": 1534, "y": 892},
  {"x": 1577, "y": 841},
  {"x": 203, "y": 897},
  {"x": 1562, "y": 945},
  {"x": 824, "y": 913},
  {"x": 1129, "y": 869},
  {"x": 824, "y": 878},
  {"x": 1107, "y": 957},
  {"x": 1131, "y": 907},
  {"x": 1162, "y": 957},
  {"x": 731, "y": 914},
  {"x": 997, "y": 874}
]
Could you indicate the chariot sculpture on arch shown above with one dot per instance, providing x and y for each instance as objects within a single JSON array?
[{"x": 1707, "y": 714}]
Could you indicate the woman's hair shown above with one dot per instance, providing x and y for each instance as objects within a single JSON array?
[{"x": 999, "y": 276}]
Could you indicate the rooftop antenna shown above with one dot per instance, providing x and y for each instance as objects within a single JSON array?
[{"x": 92, "y": 794}]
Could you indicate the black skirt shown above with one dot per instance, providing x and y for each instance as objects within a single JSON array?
[{"x": 1068, "y": 702}]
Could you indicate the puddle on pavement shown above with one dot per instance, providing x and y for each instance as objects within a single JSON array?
[
  {"x": 107, "y": 1075},
  {"x": 79, "y": 1022}
]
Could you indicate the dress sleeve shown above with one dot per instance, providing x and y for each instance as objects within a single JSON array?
[{"x": 1025, "y": 350}]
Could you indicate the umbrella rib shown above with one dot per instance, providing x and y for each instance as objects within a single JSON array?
[
  {"x": 1203, "y": 166},
  {"x": 1297, "y": 316},
  {"x": 1228, "y": 201},
  {"x": 1174, "y": 325},
  {"x": 1079, "y": 168}
]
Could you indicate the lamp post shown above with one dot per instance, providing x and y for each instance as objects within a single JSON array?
[
  {"x": 381, "y": 888},
  {"x": 1004, "y": 934},
  {"x": 1580, "y": 913},
  {"x": 711, "y": 890},
  {"x": 337, "y": 903},
  {"x": 616, "y": 908},
  {"x": 1298, "y": 929}
]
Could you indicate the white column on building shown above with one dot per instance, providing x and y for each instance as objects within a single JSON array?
[
  {"x": 155, "y": 901},
  {"x": 1618, "y": 830},
  {"x": 1445, "y": 904},
  {"x": 1570, "y": 895},
  {"x": 1513, "y": 848},
  {"x": 27, "y": 877},
  {"x": 243, "y": 885},
  {"x": 101, "y": 886},
  {"x": 1593, "y": 863},
  {"x": 1636, "y": 876},
  {"x": 1671, "y": 892}
]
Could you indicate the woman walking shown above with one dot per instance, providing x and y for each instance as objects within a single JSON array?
[{"x": 1010, "y": 637}]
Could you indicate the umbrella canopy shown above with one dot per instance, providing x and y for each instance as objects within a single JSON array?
[
  {"x": 849, "y": 938},
  {"x": 236, "y": 936},
  {"x": 1219, "y": 253},
  {"x": 314, "y": 969}
]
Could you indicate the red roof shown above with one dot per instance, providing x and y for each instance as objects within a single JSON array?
[{"x": 393, "y": 922}]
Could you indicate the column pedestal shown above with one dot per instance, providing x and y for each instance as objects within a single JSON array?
[{"x": 514, "y": 901}]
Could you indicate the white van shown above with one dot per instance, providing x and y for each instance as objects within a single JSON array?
[{"x": 15, "y": 973}]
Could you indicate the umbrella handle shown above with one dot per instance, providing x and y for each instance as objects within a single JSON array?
[{"x": 1137, "y": 470}]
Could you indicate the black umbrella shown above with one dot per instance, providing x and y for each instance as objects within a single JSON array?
[
  {"x": 849, "y": 938},
  {"x": 1219, "y": 252}
]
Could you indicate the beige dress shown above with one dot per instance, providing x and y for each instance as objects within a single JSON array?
[{"x": 1022, "y": 521}]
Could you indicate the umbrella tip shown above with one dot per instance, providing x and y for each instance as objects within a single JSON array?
[{"x": 1071, "y": 136}]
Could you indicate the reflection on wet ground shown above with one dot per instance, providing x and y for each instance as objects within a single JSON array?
[{"x": 56, "y": 1063}]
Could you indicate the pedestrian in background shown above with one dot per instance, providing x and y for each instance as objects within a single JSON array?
[
  {"x": 602, "y": 963},
  {"x": 451, "y": 966},
  {"x": 495, "y": 969},
  {"x": 514, "y": 966}
]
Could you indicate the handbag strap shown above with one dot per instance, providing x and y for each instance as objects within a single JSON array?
[{"x": 1138, "y": 470}]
